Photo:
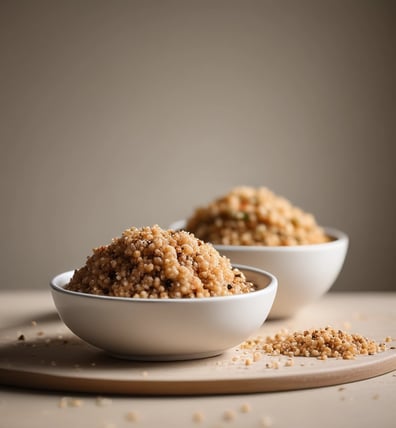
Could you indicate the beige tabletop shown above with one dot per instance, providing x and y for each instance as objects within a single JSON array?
[{"x": 364, "y": 403}]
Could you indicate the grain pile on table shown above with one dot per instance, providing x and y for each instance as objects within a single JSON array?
[
  {"x": 154, "y": 263},
  {"x": 255, "y": 216},
  {"x": 321, "y": 343}
]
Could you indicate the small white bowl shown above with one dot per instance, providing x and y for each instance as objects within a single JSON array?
[
  {"x": 165, "y": 329},
  {"x": 304, "y": 272}
]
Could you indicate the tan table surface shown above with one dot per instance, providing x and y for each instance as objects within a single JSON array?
[{"x": 364, "y": 403}]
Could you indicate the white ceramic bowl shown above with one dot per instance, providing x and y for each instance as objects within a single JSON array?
[
  {"x": 304, "y": 272},
  {"x": 165, "y": 329}
]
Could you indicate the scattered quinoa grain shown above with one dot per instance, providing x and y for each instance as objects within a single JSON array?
[
  {"x": 63, "y": 402},
  {"x": 21, "y": 337},
  {"x": 102, "y": 401},
  {"x": 198, "y": 417},
  {"x": 34, "y": 323},
  {"x": 132, "y": 416},
  {"x": 229, "y": 415},
  {"x": 245, "y": 408},
  {"x": 289, "y": 362},
  {"x": 70, "y": 402},
  {"x": 74, "y": 402},
  {"x": 266, "y": 422},
  {"x": 388, "y": 339}
]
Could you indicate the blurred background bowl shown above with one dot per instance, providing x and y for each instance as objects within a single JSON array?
[
  {"x": 165, "y": 329},
  {"x": 304, "y": 272}
]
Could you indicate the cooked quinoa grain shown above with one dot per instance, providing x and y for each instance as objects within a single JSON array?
[
  {"x": 154, "y": 263},
  {"x": 132, "y": 417},
  {"x": 198, "y": 417},
  {"x": 321, "y": 343},
  {"x": 255, "y": 216},
  {"x": 229, "y": 415},
  {"x": 246, "y": 408},
  {"x": 266, "y": 422}
]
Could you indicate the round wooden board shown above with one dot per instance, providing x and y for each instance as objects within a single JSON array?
[{"x": 50, "y": 357}]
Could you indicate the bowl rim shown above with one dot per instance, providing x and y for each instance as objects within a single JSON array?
[
  {"x": 338, "y": 238},
  {"x": 269, "y": 289}
]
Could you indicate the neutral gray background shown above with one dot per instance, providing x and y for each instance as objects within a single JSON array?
[{"x": 121, "y": 113}]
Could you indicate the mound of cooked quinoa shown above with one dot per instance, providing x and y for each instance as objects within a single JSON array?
[
  {"x": 255, "y": 216},
  {"x": 154, "y": 263}
]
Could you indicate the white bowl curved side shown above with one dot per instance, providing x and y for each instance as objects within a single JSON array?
[
  {"x": 304, "y": 272},
  {"x": 165, "y": 329}
]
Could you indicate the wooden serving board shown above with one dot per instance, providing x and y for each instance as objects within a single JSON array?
[{"x": 51, "y": 357}]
